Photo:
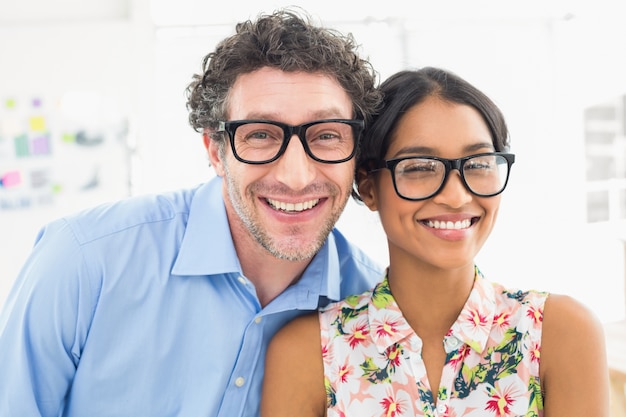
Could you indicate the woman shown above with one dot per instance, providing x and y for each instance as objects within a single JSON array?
[{"x": 435, "y": 338}]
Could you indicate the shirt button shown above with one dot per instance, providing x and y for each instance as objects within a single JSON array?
[
  {"x": 240, "y": 381},
  {"x": 242, "y": 280},
  {"x": 257, "y": 320},
  {"x": 441, "y": 408}
]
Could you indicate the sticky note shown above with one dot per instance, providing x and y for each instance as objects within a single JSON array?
[
  {"x": 68, "y": 137},
  {"x": 37, "y": 124}
]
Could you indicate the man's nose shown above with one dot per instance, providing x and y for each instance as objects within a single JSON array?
[{"x": 295, "y": 168}]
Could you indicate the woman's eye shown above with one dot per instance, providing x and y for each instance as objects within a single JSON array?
[{"x": 420, "y": 167}]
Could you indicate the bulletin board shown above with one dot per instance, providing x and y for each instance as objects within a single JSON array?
[{"x": 72, "y": 149}]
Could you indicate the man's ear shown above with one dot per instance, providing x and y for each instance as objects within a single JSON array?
[
  {"x": 367, "y": 189},
  {"x": 213, "y": 151}
]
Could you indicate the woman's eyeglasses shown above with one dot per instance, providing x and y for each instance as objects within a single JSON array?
[{"x": 420, "y": 177}]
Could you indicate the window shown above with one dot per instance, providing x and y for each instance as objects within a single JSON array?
[{"x": 605, "y": 152}]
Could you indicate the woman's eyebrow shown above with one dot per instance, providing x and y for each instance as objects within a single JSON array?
[{"x": 425, "y": 150}]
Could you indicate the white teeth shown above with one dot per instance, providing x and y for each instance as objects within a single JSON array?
[
  {"x": 461, "y": 224},
  {"x": 297, "y": 207}
]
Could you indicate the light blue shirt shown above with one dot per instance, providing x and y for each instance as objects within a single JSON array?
[{"x": 140, "y": 308}]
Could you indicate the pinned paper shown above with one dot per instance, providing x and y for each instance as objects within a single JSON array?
[
  {"x": 21, "y": 146},
  {"x": 40, "y": 145},
  {"x": 10, "y": 179},
  {"x": 10, "y": 127},
  {"x": 39, "y": 178}
]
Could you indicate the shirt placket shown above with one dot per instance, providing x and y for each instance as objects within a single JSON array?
[
  {"x": 452, "y": 346},
  {"x": 419, "y": 373},
  {"x": 241, "y": 381}
]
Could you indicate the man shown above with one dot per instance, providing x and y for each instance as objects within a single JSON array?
[{"x": 163, "y": 305}]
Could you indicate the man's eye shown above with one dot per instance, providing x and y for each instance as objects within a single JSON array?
[
  {"x": 257, "y": 135},
  {"x": 328, "y": 136}
]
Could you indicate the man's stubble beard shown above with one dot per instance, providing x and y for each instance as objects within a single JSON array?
[{"x": 263, "y": 237}]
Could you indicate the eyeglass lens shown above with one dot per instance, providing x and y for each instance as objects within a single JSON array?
[
  {"x": 484, "y": 175},
  {"x": 327, "y": 141}
]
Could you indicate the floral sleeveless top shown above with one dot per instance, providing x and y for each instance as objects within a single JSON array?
[{"x": 373, "y": 366}]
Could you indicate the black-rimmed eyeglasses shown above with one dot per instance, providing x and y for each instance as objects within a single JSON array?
[
  {"x": 420, "y": 177},
  {"x": 330, "y": 141}
]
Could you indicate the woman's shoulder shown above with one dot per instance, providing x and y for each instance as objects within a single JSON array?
[
  {"x": 294, "y": 373},
  {"x": 562, "y": 312},
  {"x": 301, "y": 330},
  {"x": 573, "y": 358}
]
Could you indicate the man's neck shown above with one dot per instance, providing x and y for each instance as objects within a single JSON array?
[{"x": 269, "y": 274}]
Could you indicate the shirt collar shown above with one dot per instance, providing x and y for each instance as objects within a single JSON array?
[
  {"x": 473, "y": 326},
  {"x": 207, "y": 246},
  {"x": 387, "y": 324},
  {"x": 207, "y": 249},
  {"x": 318, "y": 284}
]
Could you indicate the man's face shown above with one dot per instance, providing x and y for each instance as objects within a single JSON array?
[{"x": 290, "y": 205}]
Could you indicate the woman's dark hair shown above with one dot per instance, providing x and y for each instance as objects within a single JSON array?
[
  {"x": 289, "y": 42},
  {"x": 405, "y": 89}
]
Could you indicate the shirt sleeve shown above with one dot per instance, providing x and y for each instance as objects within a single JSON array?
[{"x": 43, "y": 325}]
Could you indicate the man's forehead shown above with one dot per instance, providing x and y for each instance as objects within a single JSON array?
[{"x": 273, "y": 94}]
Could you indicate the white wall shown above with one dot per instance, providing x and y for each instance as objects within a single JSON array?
[
  {"x": 542, "y": 64},
  {"x": 47, "y": 59}
]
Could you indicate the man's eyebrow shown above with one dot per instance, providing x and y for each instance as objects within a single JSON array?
[{"x": 330, "y": 113}]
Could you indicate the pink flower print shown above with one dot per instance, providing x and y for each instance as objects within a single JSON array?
[
  {"x": 477, "y": 319},
  {"x": 393, "y": 355},
  {"x": 392, "y": 407},
  {"x": 386, "y": 329},
  {"x": 504, "y": 398},
  {"x": 344, "y": 372},
  {"x": 535, "y": 313},
  {"x": 359, "y": 335},
  {"x": 500, "y": 405},
  {"x": 324, "y": 350},
  {"x": 535, "y": 352},
  {"x": 474, "y": 324},
  {"x": 502, "y": 321},
  {"x": 459, "y": 356},
  {"x": 328, "y": 355}
]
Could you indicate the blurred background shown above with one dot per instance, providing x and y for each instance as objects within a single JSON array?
[{"x": 92, "y": 109}]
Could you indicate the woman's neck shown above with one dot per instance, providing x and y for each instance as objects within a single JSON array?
[{"x": 430, "y": 298}]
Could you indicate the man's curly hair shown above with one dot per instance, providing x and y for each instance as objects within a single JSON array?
[{"x": 287, "y": 41}]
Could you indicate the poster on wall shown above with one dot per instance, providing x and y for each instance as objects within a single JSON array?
[{"x": 68, "y": 150}]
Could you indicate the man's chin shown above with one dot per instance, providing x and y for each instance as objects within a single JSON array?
[
  {"x": 294, "y": 256},
  {"x": 294, "y": 251}
]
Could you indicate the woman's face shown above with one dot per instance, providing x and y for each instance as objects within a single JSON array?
[{"x": 447, "y": 230}]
